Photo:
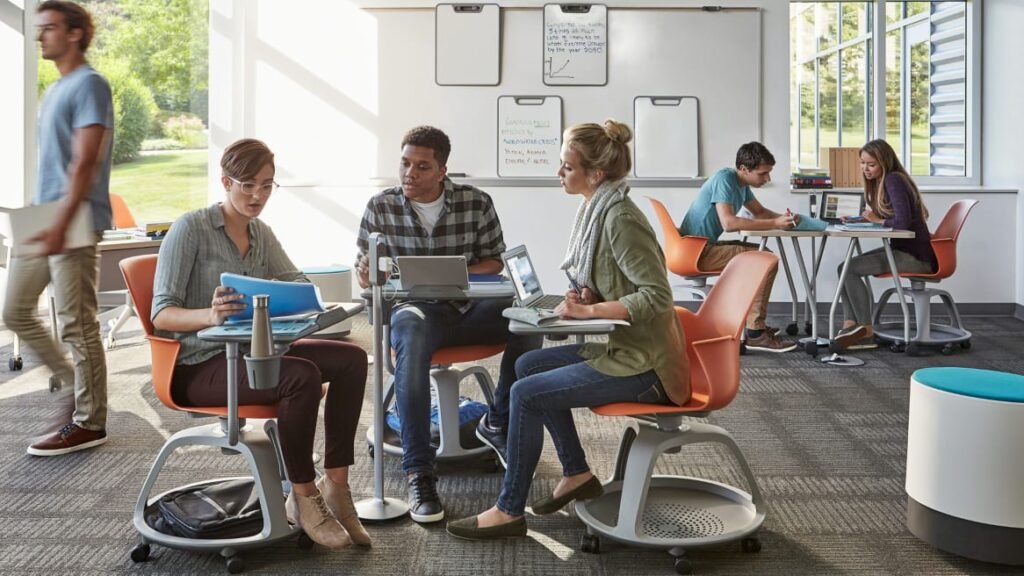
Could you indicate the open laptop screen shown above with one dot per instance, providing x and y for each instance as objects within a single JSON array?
[
  {"x": 838, "y": 205},
  {"x": 524, "y": 277}
]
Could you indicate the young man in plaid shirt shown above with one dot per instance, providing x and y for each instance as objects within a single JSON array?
[{"x": 431, "y": 215}]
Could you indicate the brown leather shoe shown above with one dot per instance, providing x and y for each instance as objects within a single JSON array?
[
  {"x": 339, "y": 500},
  {"x": 70, "y": 438},
  {"x": 314, "y": 517}
]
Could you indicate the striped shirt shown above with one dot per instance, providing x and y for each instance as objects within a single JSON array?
[
  {"x": 468, "y": 226},
  {"x": 195, "y": 252}
]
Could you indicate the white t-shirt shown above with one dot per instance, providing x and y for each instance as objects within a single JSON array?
[{"x": 429, "y": 212}]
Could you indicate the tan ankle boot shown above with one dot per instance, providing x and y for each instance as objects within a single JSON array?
[
  {"x": 339, "y": 499},
  {"x": 312, "y": 514}
]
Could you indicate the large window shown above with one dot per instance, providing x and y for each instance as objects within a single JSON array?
[
  {"x": 927, "y": 64},
  {"x": 154, "y": 54}
]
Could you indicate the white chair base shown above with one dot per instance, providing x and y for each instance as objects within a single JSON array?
[
  {"x": 673, "y": 512},
  {"x": 923, "y": 331},
  {"x": 445, "y": 380},
  {"x": 258, "y": 444},
  {"x": 697, "y": 287}
]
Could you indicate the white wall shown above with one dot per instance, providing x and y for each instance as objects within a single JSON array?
[
  {"x": 1003, "y": 123},
  {"x": 307, "y": 82}
]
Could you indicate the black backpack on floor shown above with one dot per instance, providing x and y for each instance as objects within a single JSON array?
[{"x": 228, "y": 509}]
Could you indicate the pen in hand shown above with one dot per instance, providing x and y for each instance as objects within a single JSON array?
[{"x": 575, "y": 286}]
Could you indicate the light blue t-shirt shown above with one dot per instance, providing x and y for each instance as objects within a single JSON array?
[
  {"x": 702, "y": 218},
  {"x": 78, "y": 100}
]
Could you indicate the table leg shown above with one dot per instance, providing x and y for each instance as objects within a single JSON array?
[
  {"x": 789, "y": 278},
  {"x": 839, "y": 290},
  {"x": 810, "y": 289},
  {"x": 899, "y": 289},
  {"x": 231, "y": 357}
]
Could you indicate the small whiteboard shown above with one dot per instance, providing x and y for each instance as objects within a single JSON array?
[
  {"x": 467, "y": 45},
  {"x": 529, "y": 135},
  {"x": 575, "y": 44},
  {"x": 667, "y": 140}
]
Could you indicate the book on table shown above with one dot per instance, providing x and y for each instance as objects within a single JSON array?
[{"x": 549, "y": 319}]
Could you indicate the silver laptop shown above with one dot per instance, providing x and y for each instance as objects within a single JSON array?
[
  {"x": 424, "y": 272},
  {"x": 527, "y": 284},
  {"x": 838, "y": 205}
]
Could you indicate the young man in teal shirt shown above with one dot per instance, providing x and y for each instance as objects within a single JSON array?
[{"x": 715, "y": 211}]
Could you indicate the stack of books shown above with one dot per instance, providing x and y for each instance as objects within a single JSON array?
[
  {"x": 811, "y": 180},
  {"x": 152, "y": 230}
]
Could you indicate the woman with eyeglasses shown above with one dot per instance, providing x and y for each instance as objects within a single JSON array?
[{"x": 228, "y": 236}]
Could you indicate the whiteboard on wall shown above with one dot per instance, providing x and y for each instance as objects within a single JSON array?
[
  {"x": 666, "y": 142},
  {"x": 529, "y": 136},
  {"x": 575, "y": 44},
  {"x": 467, "y": 44}
]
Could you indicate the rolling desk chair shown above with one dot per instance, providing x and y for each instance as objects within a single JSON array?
[
  {"x": 682, "y": 254},
  {"x": 944, "y": 241},
  {"x": 680, "y": 512},
  {"x": 257, "y": 443},
  {"x": 123, "y": 220}
]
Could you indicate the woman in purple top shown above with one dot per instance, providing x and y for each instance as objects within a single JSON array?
[{"x": 893, "y": 200}]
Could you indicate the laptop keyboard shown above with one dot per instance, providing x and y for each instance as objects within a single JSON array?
[{"x": 548, "y": 302}]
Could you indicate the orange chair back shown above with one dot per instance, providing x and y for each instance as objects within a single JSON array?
[
  {"x": 138, "y": 272},
  {"x": 946, "y": 235},
  {"x": 122, "y": 215},
  {"x": 681, "y": 252},
  {"x": 713, "y": 339}
]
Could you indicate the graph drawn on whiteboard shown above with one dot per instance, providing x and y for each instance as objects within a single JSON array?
[
  {"x": 576, "y": 44},
  {"x": 667, "y": 139},
  {"x": 529, "y": 135}
]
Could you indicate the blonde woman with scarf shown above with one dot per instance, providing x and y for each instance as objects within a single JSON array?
[{"x": 615, "y": 259}]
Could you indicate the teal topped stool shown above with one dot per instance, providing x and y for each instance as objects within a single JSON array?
[{"x": 965, "y": 466}]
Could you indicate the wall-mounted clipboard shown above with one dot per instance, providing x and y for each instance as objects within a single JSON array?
[
  {"x": 529, "y": 135},
  {"x": 467, "y": 44},
  {"x": 575, "y": 44},
  {"x": 667, "y": 142}
]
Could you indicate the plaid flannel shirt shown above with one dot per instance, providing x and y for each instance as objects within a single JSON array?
[{"x": 468, "y": 226}]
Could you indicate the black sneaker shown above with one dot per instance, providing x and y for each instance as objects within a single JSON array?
[
  {"x": 424, "y": 503},
  {"x": 495, "y": 438}
]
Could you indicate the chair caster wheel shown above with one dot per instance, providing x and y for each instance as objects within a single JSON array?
[
  {"x": 897, "y": 347},
  {"x": 808, "y": 329},
  {"x": 304, "y": 541},
  {"x": 55, "y": 383},
  {"x": 590, "y": 544},
  {"x": 913, "y": 349},
  {"x": 235, "y": 565},
  {"x": 811, "y": 348},
  {"x": 750, "y": 545},
  {"x": 369, "y": 451},
  {"x": 14, "y": 364},
  {"x": 491, "y": 465},
  {"x": 834, "y": 347},
  {"x": 682, "y": 565},
  {"x": 140, "y": 553},
  {"x": 792, "y": 329},
  {"x": 946, "y": 350},
  {"x": 966, "y": 345},
  {"x": 743, "y": 348}
]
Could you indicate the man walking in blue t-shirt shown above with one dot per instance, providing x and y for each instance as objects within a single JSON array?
[
  {"x": 715, "y": 211},
  {"x": 76, "y": 124}
]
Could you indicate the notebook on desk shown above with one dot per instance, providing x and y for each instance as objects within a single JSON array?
[{"x": 838, "y": 205}]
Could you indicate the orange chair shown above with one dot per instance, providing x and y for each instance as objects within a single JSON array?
[
  {"x": 257, "y": 443},
  {"x": 445, "y": 379},
  {"x": 682, "y": 254},
  {"x": 927, "y": 333},
  {"x": 677, "y": 512},
  {"x": 123, "y": 219}
]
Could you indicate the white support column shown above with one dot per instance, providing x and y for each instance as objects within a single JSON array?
[
  {"x": 878, "y": 67},
  {"x": 31, "y": 99}
]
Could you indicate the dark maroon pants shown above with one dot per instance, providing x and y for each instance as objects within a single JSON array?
[{"x": 304, "y": 368}]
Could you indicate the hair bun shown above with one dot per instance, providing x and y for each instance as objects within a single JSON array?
[{"x": 617, "y": 131}]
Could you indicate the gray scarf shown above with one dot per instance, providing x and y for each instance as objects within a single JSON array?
[{"x": 579, "y": 258}]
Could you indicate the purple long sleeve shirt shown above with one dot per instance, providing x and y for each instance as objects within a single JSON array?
[{"x": 905, "y": 217}]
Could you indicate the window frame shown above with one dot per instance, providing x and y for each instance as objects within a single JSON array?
[{"x": 875, "y": 50}]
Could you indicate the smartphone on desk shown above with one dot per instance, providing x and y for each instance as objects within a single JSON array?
[{"x": 853, "y": 219}]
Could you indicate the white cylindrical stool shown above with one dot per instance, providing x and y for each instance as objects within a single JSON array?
[
  {"x": 965, "y": 462},
  {"x": 335, "y": 284}
]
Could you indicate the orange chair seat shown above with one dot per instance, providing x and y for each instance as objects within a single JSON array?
[
  {"x": 922, "y": 275},
  {"x": 640, "y": 409},
  {"x": 458, "y": 354},
  {"x": 247, "y": 411}
]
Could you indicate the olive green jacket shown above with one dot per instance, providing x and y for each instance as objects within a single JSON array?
[{"x": 630, "y": 267}]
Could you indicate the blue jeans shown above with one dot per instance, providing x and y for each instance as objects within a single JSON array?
[
  {"x": 417, "y": 331},
  {"x": 551, "y": 382}
]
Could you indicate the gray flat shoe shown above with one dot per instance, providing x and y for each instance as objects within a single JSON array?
[
  {"x": 549, "y": 504},
  {"x": 468, "y": 529}
]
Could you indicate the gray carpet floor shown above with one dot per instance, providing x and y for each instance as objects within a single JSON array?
[{"x": 827, "y": 445}]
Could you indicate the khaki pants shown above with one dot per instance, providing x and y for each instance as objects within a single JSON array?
[
  {"x": 715, "y": 256},
  {"x": 74, "y": 275}
]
